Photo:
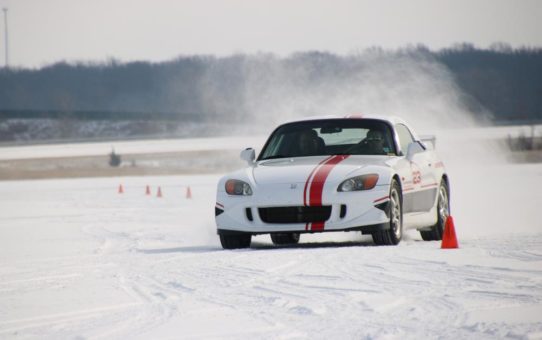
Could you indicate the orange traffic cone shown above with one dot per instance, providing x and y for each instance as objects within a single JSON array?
[
  {"x": 121, "y": 189},
  {"x": 449, "y": 239},
  {"x": 159, "y": 193},
  {"x": 148, "y": 190},
  {"x": 188, "y": 192}
]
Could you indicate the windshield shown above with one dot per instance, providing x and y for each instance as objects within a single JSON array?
[{"x": 330, "y": 137}]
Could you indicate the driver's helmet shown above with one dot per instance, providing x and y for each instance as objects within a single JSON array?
[
  {"x": 375, "y": 141},
  {"x": 375, "y": 135},
  {"x": 307, "y": 142}
]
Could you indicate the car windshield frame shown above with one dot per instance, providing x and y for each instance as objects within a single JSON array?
[{"x": 326, "y": 128}]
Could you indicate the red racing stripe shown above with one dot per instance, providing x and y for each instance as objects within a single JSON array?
[
  {"x": 354, "y": 115},
  {"x": 309, "y": 179},
  {"x": 317, "y": 225},
  {"x": 430, "y": 185},
  {"x": 381, "y": 199},
  {"x": 317, "y": 184},
  {"x": 317, "y": 179}
]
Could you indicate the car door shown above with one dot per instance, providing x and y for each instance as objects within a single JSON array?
[{"x": 419, "y": 189}]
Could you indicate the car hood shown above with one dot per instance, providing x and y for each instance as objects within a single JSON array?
[{"x": 298, "y": 170}]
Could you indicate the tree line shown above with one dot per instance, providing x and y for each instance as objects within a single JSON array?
[{"x": 505, "y": 81}]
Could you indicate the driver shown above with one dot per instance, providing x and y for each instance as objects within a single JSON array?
[
  {"x": 374, "y": 142},
  {"x": 308, "y": 143}
]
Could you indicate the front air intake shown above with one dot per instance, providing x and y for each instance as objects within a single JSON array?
[
  {"x": 248, "y": 212},
  {"x": 343, "y": 211},
  {"x": 299, "y": 214}
]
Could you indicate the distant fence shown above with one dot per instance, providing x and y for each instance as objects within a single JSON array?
[
  {"x": 515, "y": 122},
  {"x": 99, "y": 115}
]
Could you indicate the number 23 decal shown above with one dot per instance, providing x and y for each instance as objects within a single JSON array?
[{"x": 416, "y": 177}]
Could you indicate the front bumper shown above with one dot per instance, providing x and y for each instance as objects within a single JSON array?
[{"x": 358, "y": 210}]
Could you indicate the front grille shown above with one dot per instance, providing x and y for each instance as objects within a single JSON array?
[{"x": 300, "y": 214}]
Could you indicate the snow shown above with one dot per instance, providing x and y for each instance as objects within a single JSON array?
[
  {"x": 79, "y": 260},
  {"x": 127, "y": 147}
]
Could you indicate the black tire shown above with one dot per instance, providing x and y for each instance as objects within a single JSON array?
[
  {"x": 283, "y": 239},
  {"x": 393, "y": 235},
  {"x": 235, "y": 241},
  {"x": 443, "y": 210},
  {"x": 427, "y": 235}
]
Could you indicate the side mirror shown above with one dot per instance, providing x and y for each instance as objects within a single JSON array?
[
  {"x": 413, "y": 148},
  {"x": 248, "y": 155},
  {"x": 429, "y": 141}
]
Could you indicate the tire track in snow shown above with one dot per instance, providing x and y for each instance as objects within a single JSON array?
[{"x": 17, "y": 325}]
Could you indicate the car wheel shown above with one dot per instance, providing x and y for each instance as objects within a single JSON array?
[
  {"x": 282, "y": 239},
  {"x": 393, "y": 235},
  {"x": 235, "y": 241},
  {"x": 443, "y": 210}
]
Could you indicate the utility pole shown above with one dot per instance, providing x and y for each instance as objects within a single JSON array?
[{"x": 6, "y": 34}]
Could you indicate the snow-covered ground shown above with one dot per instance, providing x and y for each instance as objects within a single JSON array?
[
  {"x": 78, "y": 260},
  {"x": 126, "y": 147}
]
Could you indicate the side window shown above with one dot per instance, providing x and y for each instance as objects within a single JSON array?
[{"x": 405, "y": 137}]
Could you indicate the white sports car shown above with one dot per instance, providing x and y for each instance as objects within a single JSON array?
[{"x": 370, "y": 174}]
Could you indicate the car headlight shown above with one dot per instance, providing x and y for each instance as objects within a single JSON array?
[
  {"x": 364, "y": 182},
  {"x": 236, "y": 187}
]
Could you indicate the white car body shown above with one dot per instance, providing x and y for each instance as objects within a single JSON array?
[{"x": 313, "y": 181}]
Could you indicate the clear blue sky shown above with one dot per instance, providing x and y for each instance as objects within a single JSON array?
[{"x": 46, "y": 31}]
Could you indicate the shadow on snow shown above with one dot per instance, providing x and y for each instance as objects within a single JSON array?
[{"x": 260, "y": 246}]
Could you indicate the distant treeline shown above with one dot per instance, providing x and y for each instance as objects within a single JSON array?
[
  {"x": 506, "y": 81},
  {"x": 96, "y": 115}
]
